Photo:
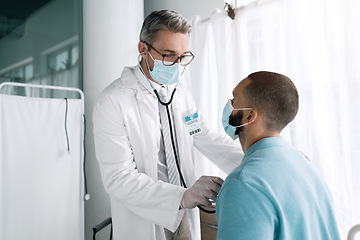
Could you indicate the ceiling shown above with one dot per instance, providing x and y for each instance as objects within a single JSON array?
[{"x": 13, "y": 13}]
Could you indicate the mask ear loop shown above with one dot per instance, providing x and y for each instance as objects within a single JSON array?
[
  {"x": 142, "y": 70},
  {"x": 155, "y": 91},
  {"x": 140, "y": 58},
  {"x": 244, "y": 124},
  {"x": 147, "y": 63}
]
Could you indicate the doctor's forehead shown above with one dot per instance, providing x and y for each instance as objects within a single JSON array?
[{"x": 173, "y": 41}]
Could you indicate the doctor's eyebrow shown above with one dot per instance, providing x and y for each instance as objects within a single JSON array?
[
  {"x": 168, "y": 50},
  {"x": 173, "y": 52}
]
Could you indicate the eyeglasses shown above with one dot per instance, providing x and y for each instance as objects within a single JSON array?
[{"x": 171, "y": 59}]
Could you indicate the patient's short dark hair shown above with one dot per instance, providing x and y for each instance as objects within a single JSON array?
[{"x": 275, "y": 96}]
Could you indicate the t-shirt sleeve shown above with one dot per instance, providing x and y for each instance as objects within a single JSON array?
[{"x": 245, "y": 212}]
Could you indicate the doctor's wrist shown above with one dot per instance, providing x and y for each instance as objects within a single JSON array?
[{"x": 182, "y": 204}]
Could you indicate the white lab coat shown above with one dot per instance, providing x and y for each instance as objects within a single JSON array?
[{"x": 126, "y": 119}]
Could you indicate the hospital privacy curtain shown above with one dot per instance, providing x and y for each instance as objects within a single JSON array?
[
  {"x": 316, "y": 44},
  {"x": 41, "y": 168}
]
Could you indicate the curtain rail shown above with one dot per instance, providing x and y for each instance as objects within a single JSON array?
[{"x": 47, "y": 87}]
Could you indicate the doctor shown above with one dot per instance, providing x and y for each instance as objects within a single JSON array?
[{"x": 137, "y": 147}]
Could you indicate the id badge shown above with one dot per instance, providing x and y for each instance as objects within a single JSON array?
[{"x": 192, "y": 123}]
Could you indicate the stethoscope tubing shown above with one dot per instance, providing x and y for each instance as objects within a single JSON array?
[
  {"x": 172, "y": 134},
  {"x": 173, "y": 143}
]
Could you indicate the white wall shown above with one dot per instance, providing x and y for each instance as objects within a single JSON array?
[
  {"x": 187, "y": 8},
  {"x": 111, "y": 33}
]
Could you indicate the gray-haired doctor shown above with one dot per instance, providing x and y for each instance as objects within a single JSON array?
[{"x": 150, "y": 197}]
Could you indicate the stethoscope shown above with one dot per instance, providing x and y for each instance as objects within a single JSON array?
[{"x": 166, "y": 104}]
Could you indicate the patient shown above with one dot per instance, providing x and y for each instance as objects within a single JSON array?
[{"x": 275, "y": 193}]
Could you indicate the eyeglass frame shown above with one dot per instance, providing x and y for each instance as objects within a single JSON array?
[{"x": 164, "y": 55}]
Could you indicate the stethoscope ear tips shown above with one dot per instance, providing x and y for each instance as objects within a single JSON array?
[{"x": 87, "y": 197}]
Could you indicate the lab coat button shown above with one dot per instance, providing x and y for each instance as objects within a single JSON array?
[{"x": 152, "y": 124}]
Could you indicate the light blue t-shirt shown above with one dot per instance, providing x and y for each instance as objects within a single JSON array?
[{"x": 275, "y": 194}]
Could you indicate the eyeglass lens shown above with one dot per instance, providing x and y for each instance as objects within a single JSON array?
[{"x": 171, "y": 59}]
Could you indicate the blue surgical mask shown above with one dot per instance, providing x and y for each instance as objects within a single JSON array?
[
  {"x": 230, "y": 130},
  {"x": 166, "y": 75}
]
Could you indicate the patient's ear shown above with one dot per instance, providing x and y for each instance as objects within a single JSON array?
[{"x": 251, "y": 116}]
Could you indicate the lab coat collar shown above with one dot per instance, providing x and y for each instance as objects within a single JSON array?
[{"x": 145, "y": 82}]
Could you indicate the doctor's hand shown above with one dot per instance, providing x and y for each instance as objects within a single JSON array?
[{"x": 205, "y": 188}]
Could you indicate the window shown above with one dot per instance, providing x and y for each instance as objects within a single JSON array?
[
  {"x": 17, "y": 73},
  {"x": 62, "y": 58},
  {"x": 52, "y": 41}
]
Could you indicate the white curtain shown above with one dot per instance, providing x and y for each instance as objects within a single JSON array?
[
  {"x": 316, "y": 44},
  {"x": 41, "y": 185}
]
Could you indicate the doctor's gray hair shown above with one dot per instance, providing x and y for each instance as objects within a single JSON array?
[{"x": 163, "y": 20}]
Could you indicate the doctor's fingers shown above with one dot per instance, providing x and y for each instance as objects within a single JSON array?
[
  {"x": 205, "y": 190},
  {"x": 208, "y": 183},
  {"x": 213, "y": 179},
  {"x": 201, "y": 199},
  {"x": 208, "y": 194}
]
